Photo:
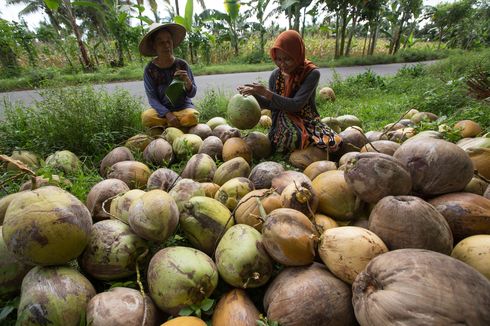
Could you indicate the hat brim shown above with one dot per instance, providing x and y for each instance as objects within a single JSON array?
[{"x": 176, "y": 30}]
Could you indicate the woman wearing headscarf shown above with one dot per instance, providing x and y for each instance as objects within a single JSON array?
[
  {"x": 291, "y": 98},
  {"x": 168, "y": 108}
]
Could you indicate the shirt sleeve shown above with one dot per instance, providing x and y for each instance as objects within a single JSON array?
[
  {"x": 152, "y": 94},
  {"x": 302, "y": 96},
  {"x": 263, "y": 102}
]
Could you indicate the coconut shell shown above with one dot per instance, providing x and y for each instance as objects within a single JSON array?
[
  {"x": 179, "y": 277},
  {"x": 213, "y": 146},
  {"x": 289, "y": 237},
  {"x": 236, "y": 147},
  {"x": 468, "y": 128},
  {"x": 163, "y": 179},
  {"x": 236, "y": 167},
  {"x": 202, "y": 130},
  {"x": 216, "y": 121},
  {"x": 259, "y": 143},
  {"x": 283, "y": 180},
  {"x": 185, "y": 189},
  {"x": 347, "y": 250},
  {"x": 436, "y": 166},
  {"x": 309, "y": 295},
  {"x": 301, "y": 158},
  {"x": 301, "y": 197},
  {"x": 420, "y": 287},
  {"x": 138, "y": 142},
  {"x": 247, "y": 265},
  {"x": 387, "y": 147},
  {"x": 135, "y": 174},
  {"x": 315, "y": 168},
  {"x": 120, "y": 307},
  {"x": 249, "y": 207},
  {"x": 200, "y": 168},
  {"x": 154, "y": 215},
  {"x": 120, "y": 204},
  {"x": 112, "y": 251},
  {"x": 373, "y": 176},
  {"x": 235, "y": 308},
  {"x": 158, "y": 152},
  {"x": 263, "y": 173},
  {"x": 46, "y": 226},
  {"x": 102, "y": 193},
  {"x": 118, "y": 154},
  {"x": 56, "y": 295},
  {"x": 335, "y": 198},
  {"x": 224, "y": 132},
  {"x": 467, "y": 214},
  {"x": 204, "y": 220},
  {"x": 210, "y": 189},
  {"x": 410, "y": 222}
]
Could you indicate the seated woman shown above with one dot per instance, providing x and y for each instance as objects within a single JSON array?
[
  {"x": 160, "y": 41},
  {"x": 291, "y": 98}
]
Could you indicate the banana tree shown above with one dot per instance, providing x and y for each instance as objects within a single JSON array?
[{"x": 259, "y": 7}]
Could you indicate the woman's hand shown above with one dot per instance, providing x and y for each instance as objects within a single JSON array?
[
  {"x": 182, "y": 75},
  {"x": 255, "y": 89},
  {"x": 172, "y": 121}
]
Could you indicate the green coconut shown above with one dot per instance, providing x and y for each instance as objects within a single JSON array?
[
  {"x": 236, "y": 167},
  {"x": 28, "y": 158},
  {"x": 101, "y": 194},
  {"x": 204, "y": 220},
  {"x": 55, "y": 295},
  {"x": 243, "y": 111},
  {"x": 47, "y": 226},
  {"x": 40, "y": 181},
  {"x": 138, "y": 143},
  {"x": 186, "y": 145},
  {"x": 120, "y": 204},
  {"x": 171, "y": 133},
  {"x": 12, "y": 271},
  {"x": 179, "y": 277},
  {"x": 112, "y": 251},
  {"x": 64, "y": 161},
  {"x": 4, "y": 204},
  {"x": 200, "y": 168},
  {"x": 135, "y": 174},
  {"x": 233, "y": 190},
  {"x": 184, "y": 190},
  {"x": 154, "y": 215},
  {"x": 163, "y": 179},
  {"x": 348, "y": 120},
  {"x": 241, "y": 258},
  {"x": 118, "y": 154}
]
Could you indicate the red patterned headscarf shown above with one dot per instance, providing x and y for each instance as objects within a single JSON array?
[{"x": 291, "y": 43}]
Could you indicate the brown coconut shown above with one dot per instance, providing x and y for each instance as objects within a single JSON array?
[
  {"x": 200, "y": 168},
  {"x": 120, "y": 204},
  {"x": 263, "y": 173},
  {"x": 235, "y": 308},
  {"x": 309, "y": 295},
  {"x": 259, "y": 143},
  {"x": 301, "y": 197},
  {"x": 265, "y": 121},
  {"x": 232, "y": 191},
  {"x": 159, "y": 152},
  {"x": 249, "y": 207},
  {"x": 315, "y": 168},
  {"x": 118, "y": 154},
  {"x": 410, "y": 222},
  {"x": 202, "y": 130},
  {"x": 423, "y": 116},
  {"x": 171, "y": 133},
  {"x": 138, "y": 142},
  {"x": 40, "y": 181},
  {"x": 481, "y": 160},
  {"x": 477, "y": 186},
  {"x": 327, "y": 93},
  {"x": 163, "y": 179},
  {"x": 352, "y": 140},
  {"x": 135, "y": 174},
  {"x": 213, "y": 146},
  {"x": 468, "y": 128},
  {"x": 382, "y": 146},
  {"x": 436, "y": 166},
  {"x": 102, "y": 194},
  {"x": 420, "y": 287},
  {"x": 323, "y": 222},
  {"x": 236, "y": 167},
  {"x": 467, "y": 214},
  {"x": 224, "y": 132},
  {"x": 121, "y": 307},
  {"x": 486, "y": 194},
  {"x": 236, "y": 147},
  {"x": 289, "y": 237},
  {"x": 346, "y": 157},
  {"x": 301, "y": 158},
  {"x": 287, "y": 177},
  {"x": 372, "y": 176},
  {"x": 209, "y": 188},
  {"x": 374, "y": 135}
]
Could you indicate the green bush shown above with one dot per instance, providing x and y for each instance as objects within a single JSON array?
[
  {"x": 214, "y": 104},
  {"x": 83, "y": 120}
]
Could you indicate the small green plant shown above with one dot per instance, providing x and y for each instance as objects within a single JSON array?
[
  {"x": 7, "y": 311},
  {"x": 205, "y": 307},
  {"x": 214, "y": 104},
  {"x": 263, "y": 321}
]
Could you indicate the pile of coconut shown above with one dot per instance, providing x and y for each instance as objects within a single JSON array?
[{"x": 393, "y": 229}]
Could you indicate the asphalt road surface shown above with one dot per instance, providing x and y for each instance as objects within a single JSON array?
[{"x": 223, "y": 83}]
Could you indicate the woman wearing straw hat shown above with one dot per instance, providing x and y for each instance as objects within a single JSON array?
[
  {"x": 291, "y": 97},
  {"x": 169, "y": 83}
]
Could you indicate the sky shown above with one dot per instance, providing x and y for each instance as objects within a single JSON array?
[{"x": 11, "y": 12}]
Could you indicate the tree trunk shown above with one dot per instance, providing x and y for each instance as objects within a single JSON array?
[
  {"x": 365, "y": 41},
  {"x": 345, "y": 21},
  {"x": 120, "y": 54},
  {"x": 262, "y": 42},
  {"x": 337, "y": 22},
  {"x": 374, "y": 37},
  {"x": 440, "y": 37},
  {"x": 351, "y": 33},
  {"x": 297, "y": 17},
  {"x": 177, "y": 8},
  {"x": 192, "y": 53},
  {"x": 86, "y": 63},
  {"x": 399, "y": 35},
  {"x": 303, "y": 24}
]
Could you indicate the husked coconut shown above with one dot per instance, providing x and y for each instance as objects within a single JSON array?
[
  {"x": 118, "y": 154},
  {"x": 235, "y": 308},
  {"x": 410, "y": 222},
  {"x": 200, "y": 168},
  {"x": 213, "y": 146},
  {"x": 158, "y": 152},
  {"x": 257, "y": 202},
  {"x": 163, "y": 179},
  {"x": 263, "y": 173},
  {"x": 121, "y": 306},
  {"x": 202, "y": 130},
  {"x": 216, "y": 121},
  {"x": 309, "y": 295},
  {"x": 135, "y": 174},
  {"x": 315, "y": 168},
  {"x": 420, "y": 287},
  {"x": 283, "y": 180},
  {"x": 259, "y": 143},
  {"x": 236, "y": 147},
  {"x": 102, "y": 193},
  {"x": 383, "y": 146}
]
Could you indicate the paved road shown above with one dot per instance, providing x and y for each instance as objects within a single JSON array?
[{"x": 225, "y": 83}]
